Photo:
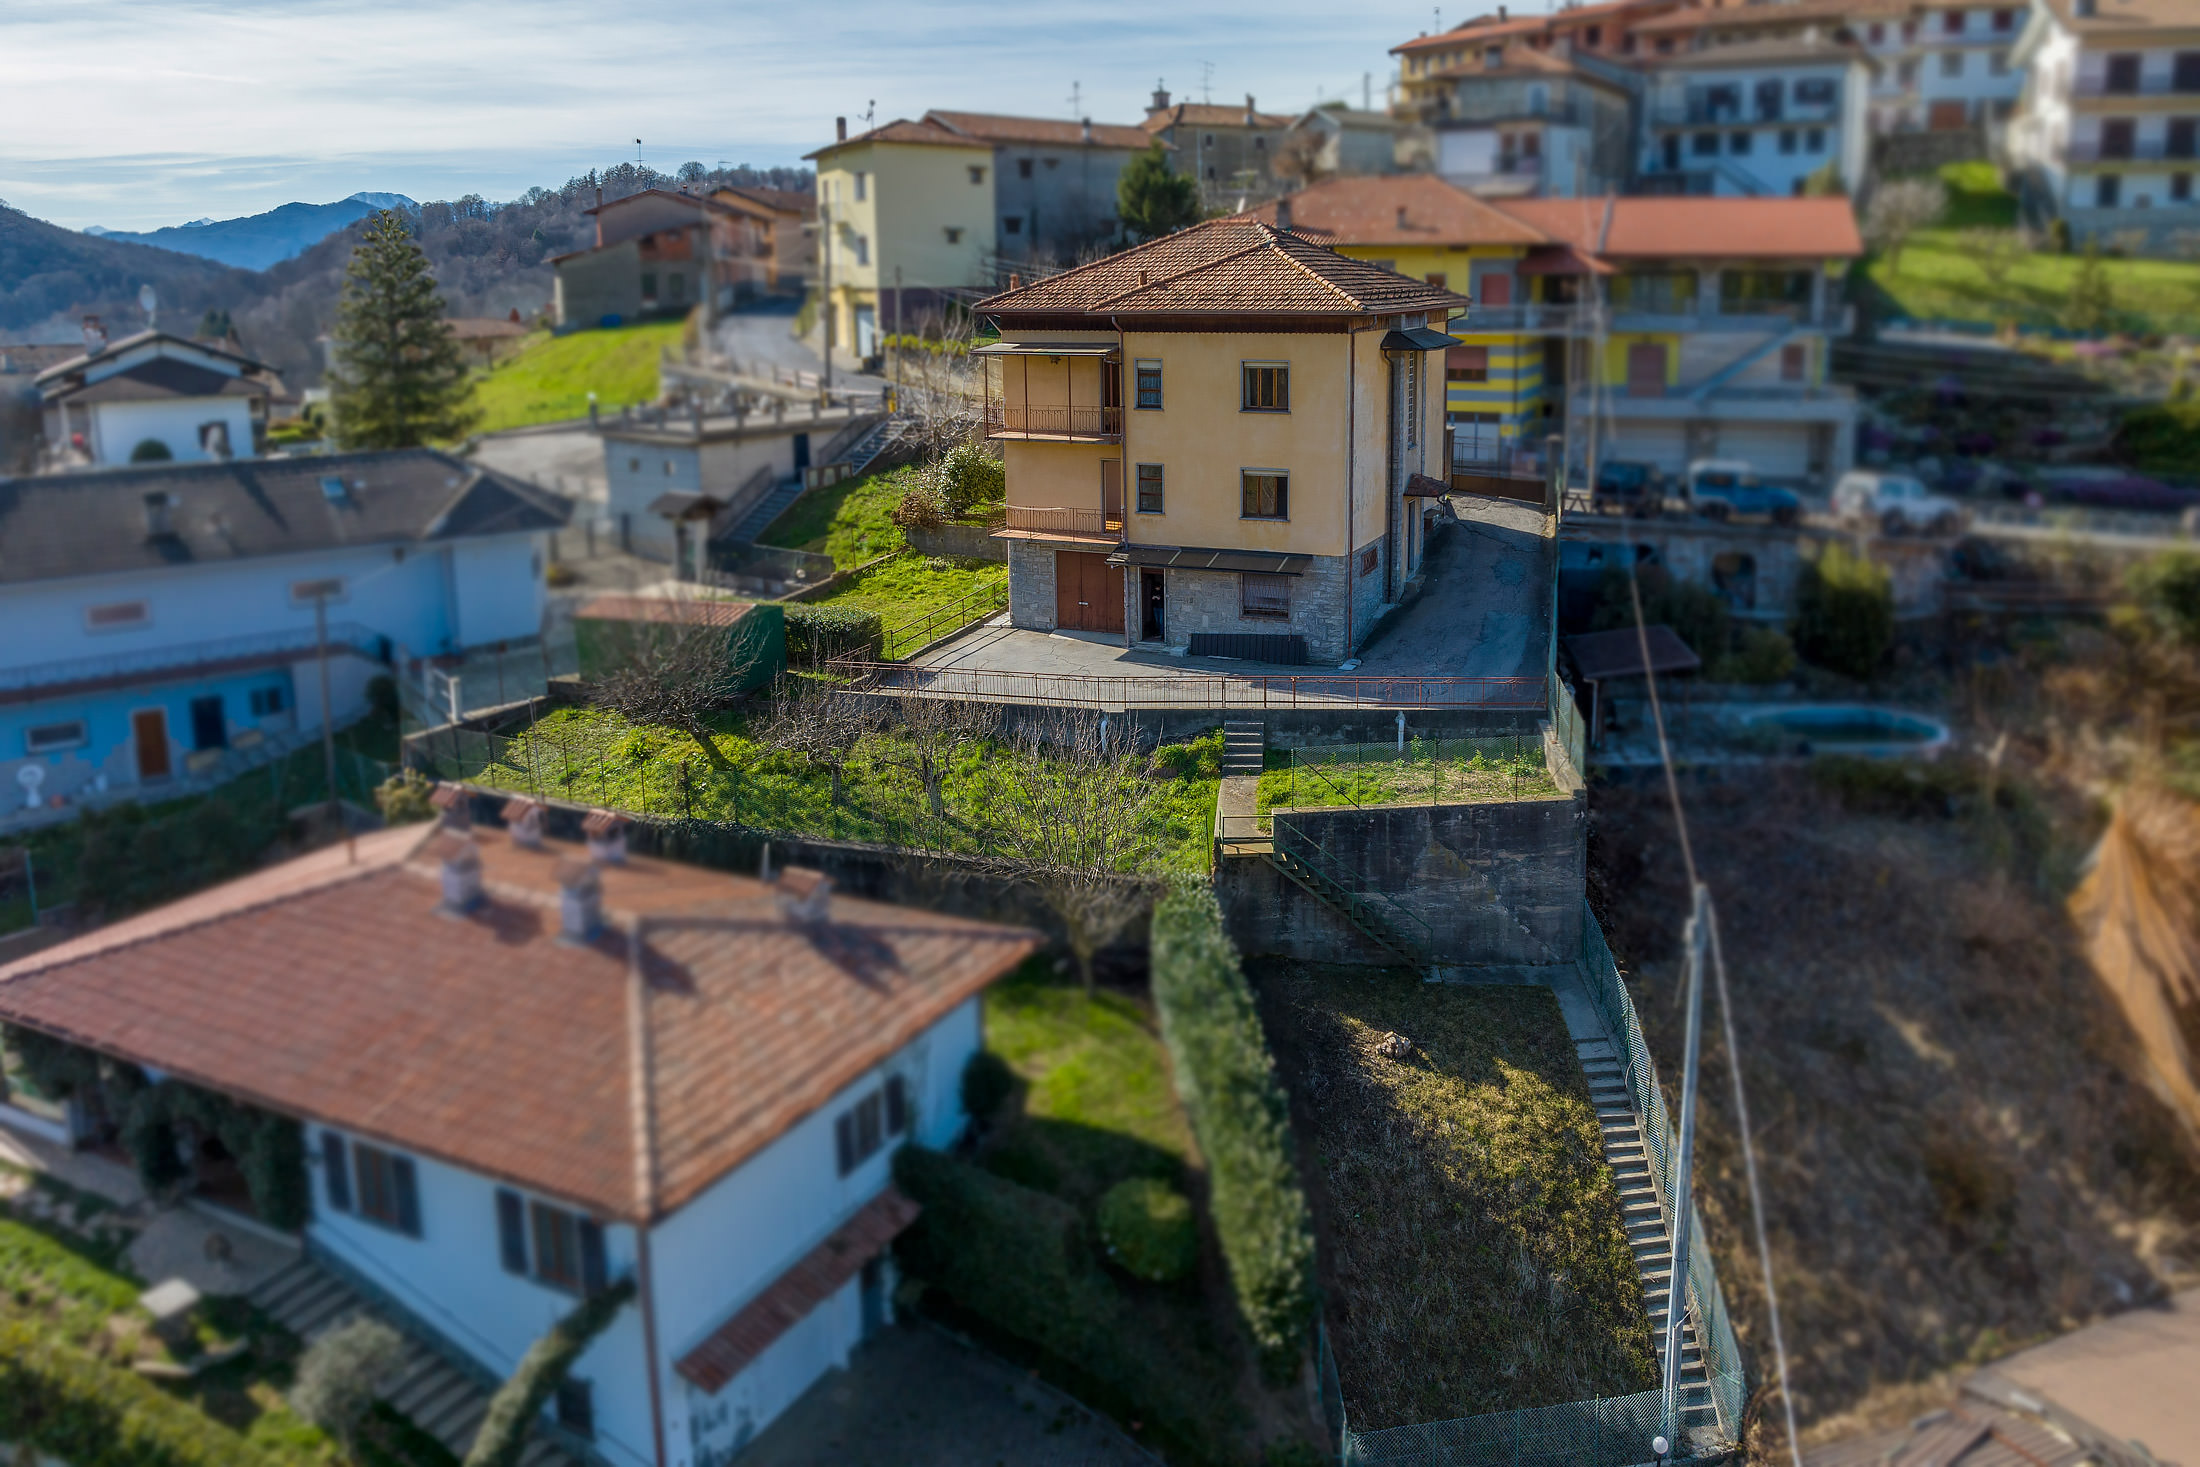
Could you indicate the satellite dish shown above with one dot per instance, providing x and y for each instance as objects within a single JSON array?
[
  {"x": 30, "y": 777},
  {"x": 147, "y": 302}
]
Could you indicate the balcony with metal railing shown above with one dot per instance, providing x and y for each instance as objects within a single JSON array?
[
  {"x": 1066, "y": 522},
  {"x": 2156, "y": 84},
  {"x": 1069, "y": 424},
  {"x": 2136, "y": 150}
]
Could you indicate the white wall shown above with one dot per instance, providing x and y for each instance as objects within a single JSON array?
[
  {"x": 497, "y": 589},
  {"x": 119, "y": 427}
]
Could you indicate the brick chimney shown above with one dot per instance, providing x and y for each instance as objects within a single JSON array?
[
  {"x": 461, "y": 871},
  {"x": 457, "y": 809},
  {"x": 523, "y": 818},
  {"x": 1252, "y": 117},
  {"x": 805, "y": 894},
  {"x": 840, "y": 129},
  {"x": 580, "y": 900},
  {"x": 606, "y": 832},
  {"x": 1283, "y": 215}
]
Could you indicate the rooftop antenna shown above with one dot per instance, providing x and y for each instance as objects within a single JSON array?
[
  {"x": 870, "y": 108},
  {"x": 1439, "y": 13},
  {"x": 638, "y": 154},
  {"x": 1206, "y": 81},
  {"x": 1076, "y": 99},
  {"x": 1367, "y": 91},
  {"x": 146, "y": 303}
]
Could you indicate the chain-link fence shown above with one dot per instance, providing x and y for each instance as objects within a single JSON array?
[{"x": 1615, "y": 1432}]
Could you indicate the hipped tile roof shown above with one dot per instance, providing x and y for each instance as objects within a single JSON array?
[
  {"x": 1046, "y": 131},
  {"x": 1236, "y": 266},
  {"x": 1648, "y": 227},
  {"x": 1399, "y": 209},
  {"x": 624, "y": 1074},
  {"x": 902, "y": 130}
]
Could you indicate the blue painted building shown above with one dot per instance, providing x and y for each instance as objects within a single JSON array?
[{"x": 161, "y": 621}]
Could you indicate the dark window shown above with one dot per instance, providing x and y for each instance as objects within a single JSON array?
[
  {"x": 954, "y": 235},
  {"x": 897, "y": 1105},
  {"x": 511, "y": 1231},
  {"x": 1878, "y": 33},
  {"x": 2123, "y": 73},
  {"x": 1794, "y": 360},
  {"x": 863, "y": 1128},
  {"x": 1704, "y": 145},
  {"x": 266, "y": 701},
  {"x": 1787, "y": 139},
  {"x": 1769, "y": 96},
  {"x": 1467, "y": 364},
  {"x": 2183, "y": 133},
  {"x": 1148, "y": 382},
  {"x": 1264, "y": 596},
  {"x": 557, "y": 1239},
  {"x": 649, "y": 284},
  {"x": 1814, "y": 92},
  {"x": 389, "y": 1188},
  {"x": 1012, "y": 224},
  {"x": 2180, "y": 188},
  {"x": 2005, "y": 20},
  {"x": 2108, "y": 191},
  {"x": 1952, "y": 22},
  {"x": 335, "y": 1171},
  {"x": 209, "y": 729},
  {"x": 2118, "y": 136},
  {"x": 1814, "y": 141},
  {"x": 1738, "y": 144},
  {"x": 577, "y": 1408},
  {"x": 1265, "y": 496},
  {"x": 1267, "y": 389},
  {"x": 1149, "y": 488},
  {"x": 1722, "y": 103},
  {"x": 1023, "y": 168},
  {"x": 977, "y": 175},
  {"x": 2185, "y": 72}
]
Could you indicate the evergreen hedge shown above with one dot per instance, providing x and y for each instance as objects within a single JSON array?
[
  {"x": 1227, "y": 1081},
  {"x": 817, "y": 634},
  {"x": 63, "y": 1401}
]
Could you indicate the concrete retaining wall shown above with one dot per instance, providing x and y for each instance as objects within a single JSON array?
[
  {"x": 958, "y": 542},
  {"x": 1499, "y": 884}
]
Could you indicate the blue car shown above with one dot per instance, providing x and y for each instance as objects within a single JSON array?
[{"x": 1723, "y": 489}]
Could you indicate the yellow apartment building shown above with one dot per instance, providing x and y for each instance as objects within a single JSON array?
[
  {"x": 1218, "y": 442},
  {"x": 905, "y": 219}
]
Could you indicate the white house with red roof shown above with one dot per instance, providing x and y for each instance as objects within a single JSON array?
[{"x": 527, "y": 1070}]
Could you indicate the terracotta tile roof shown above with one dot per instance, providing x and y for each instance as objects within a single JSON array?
[
  {"x": 684, "y": 610},
  {"x": 902, "y": 130},
  {"x": 340, "y": 991},
  {"x": 1236, "y": 266},
  {"x": 1648, "y": 228},
  {"x": 1399, "y": 209},
  {"x": 1489, "y": 27},
  {"x": 785, "y": 201},
  {"x": 1519, "y": 60},
  {"x": 1209, "y": 114},
  {"x": 1046, "y": 131},
  {"x": 1764, "y": 51},
  {"x": 2128, "y": 15},
  {"x": 1692, "y": 18},
  {"x": 788, "y": 1299}
]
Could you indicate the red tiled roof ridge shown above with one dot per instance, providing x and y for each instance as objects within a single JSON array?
[
  {"x": 138, "y": 929},
  {"x": 1239, "y": 254},
  {"x": 1311, "y": 273}
]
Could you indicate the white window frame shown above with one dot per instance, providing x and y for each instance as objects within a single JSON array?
[{"x": 71, "y": 733}]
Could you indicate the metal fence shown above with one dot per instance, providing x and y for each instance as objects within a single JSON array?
[
  {"x": 1600, "y": 1432},
  {"x": 908, "y": 638},
  {"x": 1414, "y": 772},
  {"x": 1194, "y": 691}
]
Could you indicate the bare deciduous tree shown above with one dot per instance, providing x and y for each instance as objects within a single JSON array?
[
  {"x": 1996, "y": 252},
  {"x": 937, "y": 729},
  {"x": 1074, "y": 823},
  {"x": 818, "y": 721},
  {"x": 1898, "y": 210},
  {"x": 942, "y": 388},
  {"x": 683, "y": 662}
]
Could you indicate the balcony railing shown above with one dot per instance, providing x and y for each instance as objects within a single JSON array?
[
  {"x": 1789, "y": 114},
  {"x": 1089, "y": 523},
  {"x": 2144, "y": 86},
  {"x": 1016, "y": 420},
  {"x": 2137, "y": 150}
]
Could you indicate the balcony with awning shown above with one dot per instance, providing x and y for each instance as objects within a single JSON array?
[{"x": 1053, "y": 391}]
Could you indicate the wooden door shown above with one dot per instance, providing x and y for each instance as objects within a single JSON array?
[
  {"x": 1088, "y": 593},
  {"x": 1948, "y": 117},
  {"x": 1646, "y": 369},
  {"x": 149, "y": 731},
  {"x": 1111, "y": 494}
]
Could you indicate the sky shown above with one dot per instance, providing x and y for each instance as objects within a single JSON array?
[{"x": 132, "y": 114}]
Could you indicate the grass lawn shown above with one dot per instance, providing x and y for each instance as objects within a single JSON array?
[
  {"x": 1471, "y": 1251},
  {"x": 549, "y": 378},
  {"x": 1447, "y": 772},
  {"x": 1939, "y": 277},
  {"x": 850, "y": 521},
  {"x": 587, "y": 754}
]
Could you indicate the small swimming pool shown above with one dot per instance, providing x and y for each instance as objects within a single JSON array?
[{"x": 1848, "y": 728}]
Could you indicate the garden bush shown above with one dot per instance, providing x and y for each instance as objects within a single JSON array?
[
  {"x": 968, "y": 476},
  {"x": 342, "y": 1373},
  {"x": 817, "y": 634},
  {"x": 131, "y": 859},
  {"x": 406, "y": 798},
  {"x": 65, "y": 1402},
  {"x": 1695, "y": 612},
  {"x": 1199, "y": 758},
  {"x": 1147, "y": 1227},
  {"x": 1844, "y": 612},
  {"x": 1238, "y": 1111},
  {"x": 1761, "y": 655},
  {"x": 2167, "y": 587},
  {"x": 987, "y": 1082}
]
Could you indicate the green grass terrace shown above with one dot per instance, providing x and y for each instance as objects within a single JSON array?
[{"x": 1424, "y": 772}]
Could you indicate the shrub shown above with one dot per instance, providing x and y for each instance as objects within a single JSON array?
[
  {"x": 817, "y": 634},
  {"x": 1695, "y": 612},
  {"x": 405, "y": 798},
  {"x": 132, "y": 860},
  {"x": 1199, "y": 758},
  {"x": 1147, "y": 1228},
  {"x": 2168, "y": 587},
  {"x": 921, "y": 507},
  {"x": 1228, "y": 1084},
  {"x": 1844, "y": 612},
  {"x": 343, "y": 1371},
  {"x": 968, "y": 476},
  {"x": 63, "y": 1401},
  {"x": 987, "y": 1082},
  {"x": 1760, "y": 655}
]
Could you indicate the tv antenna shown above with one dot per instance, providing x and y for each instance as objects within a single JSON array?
[
  {"x": 1206, "y": 81},
  {"x": 638, "y": 153},
  {"x": 870, "y": 107},
  {"x": 1076, "y": 99}
]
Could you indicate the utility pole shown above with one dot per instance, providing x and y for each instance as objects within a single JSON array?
[
  {"x": 1673, "y": 1414},
  {"x": 328, "y": 727}
]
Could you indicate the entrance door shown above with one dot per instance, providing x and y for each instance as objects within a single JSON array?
[
  {"x": 1152, "y": 599},
  {"x": 1948, "y": 116},
  {"x": 209, "y": 729},
  {"x": 1088, "y": 593},
  {"x": 149, "y": 732},
  {"x": 866, "y": 330},
  {"x": 1646, "y": 369},
  {"x": 801, "y": 452}
]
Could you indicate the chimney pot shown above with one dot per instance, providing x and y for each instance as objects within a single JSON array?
[
  {"x": 95, "y": 335},
  {"x": 523, "y": 821},
  {"x": 1088, "y": 129},
  {"x": 840, "y": 129},
  {"x": 1015, "y": 281},
  {"x": 805, "y": 894},
  {"x": 1283, "y": 213},
  {"x": 461, "y": 863},
  {"x": 606, "y": 832},
  {"x": 157, "y": 523},
  {"x": 456, "y": 807},
  {"x": 1249, "y": 112},
  {"x": 580, "y": 899}
]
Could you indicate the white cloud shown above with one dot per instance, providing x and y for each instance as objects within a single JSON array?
[{"x": 132, "y": 114}]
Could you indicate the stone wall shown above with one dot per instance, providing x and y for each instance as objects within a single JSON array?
[
  {"x": 1499, "y": 884},
  {"x": 1212, "y": 601},
  {"x": 1030, "y": 585},
  {"x": 957, "y": 542}
]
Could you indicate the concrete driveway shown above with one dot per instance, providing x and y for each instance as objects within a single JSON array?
[
  {"x": 2135, "y": 1375},
  {"x": 1486, "y": 608}
]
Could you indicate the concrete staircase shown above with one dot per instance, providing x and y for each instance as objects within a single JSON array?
[
  {"x": 440, "y": 1399},
  {"x": 865, "y": 451},
  {"x": 745, "y": 530},
  {"x": 1244, "y": 745},
  {"x": 1629, "y": 1159}
]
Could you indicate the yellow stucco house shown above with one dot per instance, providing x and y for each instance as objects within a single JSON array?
[
  {"x": 1219, "y": 441},
  {"x": 905, "y": 220}
]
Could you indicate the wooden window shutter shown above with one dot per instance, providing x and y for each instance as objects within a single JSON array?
[
  {"x": 593, "y": 1269},
  {"x": 897, "y": 1105},
  {"x": 407, "y": 1183},
  {"x": 511, "y": 1231},
  {"x": 336, "y": 1171},
  {"x": 844, "y": 1137}
]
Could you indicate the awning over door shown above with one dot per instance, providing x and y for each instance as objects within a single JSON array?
[
  {"x": 1048, "y": 349},
  {"x": 1172, "y": 557}
]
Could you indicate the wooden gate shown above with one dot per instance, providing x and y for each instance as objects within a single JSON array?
[{"x": 1088, "y": 593}]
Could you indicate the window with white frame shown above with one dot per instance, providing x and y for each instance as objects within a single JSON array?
[{"x": 52, "y": 738}]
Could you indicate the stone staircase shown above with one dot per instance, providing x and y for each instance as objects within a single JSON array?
[
  {"x": 439, "y": 1398},
  {"x": 1244, "y": 745},
  {"x": 1629, "y": 1159},
  {"x": 865, "y": 451},
  {"x": 745, "y": 530}
]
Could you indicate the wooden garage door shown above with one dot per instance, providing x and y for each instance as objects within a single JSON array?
[{"x": 1088, "y": 593}]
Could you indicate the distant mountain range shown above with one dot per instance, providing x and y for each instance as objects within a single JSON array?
[{"x": 260, "y": 240}]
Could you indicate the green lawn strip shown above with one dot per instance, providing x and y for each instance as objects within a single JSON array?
[
  {"x": 850, "y": 521},
  {"x": 1324, "y": 778},
  {"x": 1939, "y": 279},
  {"x": 548, "y": 380},
  {"x": 591, "y": 756},
  {"x": 1472, "y": 1255},
  {"x": 921, "y": 596}
]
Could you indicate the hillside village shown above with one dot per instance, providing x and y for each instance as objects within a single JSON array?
[{"x": 1506, "y": 777}]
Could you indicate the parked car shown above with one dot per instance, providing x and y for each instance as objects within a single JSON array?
[
  {"x": 1628, "y": 488},
  {"x": 1898, "y": 503},
  {"x": 1722, "y": 488},
  {"x": 2113, "y": 488}
]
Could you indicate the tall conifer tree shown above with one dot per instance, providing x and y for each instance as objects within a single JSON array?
[{"x": 400, "y": 378}]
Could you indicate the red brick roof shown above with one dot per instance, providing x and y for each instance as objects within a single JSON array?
[
  {"x": 1210, "y": 114},
  {"x": 683, "y": 610},
  {"x": 1046, "y": 131},
  {"x": 341, "y": 992},
  {"x": 1398, "y": 209},
  {"x": 902, "y": 130},
  {"x": 1485, "y": 28},
  {"x": 1236, "y": 266},
  {"x": 788, "y": 1299},
  {"x": 1649, "y": 228}
]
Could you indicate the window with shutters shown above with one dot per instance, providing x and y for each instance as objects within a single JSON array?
[
  {"x": 1265, "y": 494},
  {"x": 865, "y": 1127},
  {"x": 386, "y": 1188},
  {"x": 550, "y": 1244},
  {"x": 1265, "y": 596},
  {"x": 556, "y": 1236},
  {"x": 1267, "y": 387}
]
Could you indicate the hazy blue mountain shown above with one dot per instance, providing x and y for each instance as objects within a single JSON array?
[{"x": 260, "y": 240}]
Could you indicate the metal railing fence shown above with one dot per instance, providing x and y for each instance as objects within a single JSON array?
[
  {"x": 1368, "y": 905},
  {"x": 906, "y": 639},
  {"x": 1192, "y": 691}
]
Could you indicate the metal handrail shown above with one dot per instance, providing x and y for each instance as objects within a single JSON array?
[
  {"x": 1313, "y": 690},
  {"x": 1295, "y": 844},
  {"x": 1064, "y": 422},
  {"x": 181, "y": 655},
  {"x": 963, "y": 612}
]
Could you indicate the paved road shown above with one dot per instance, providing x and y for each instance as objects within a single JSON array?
[{"x": 762, "y": 335}]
